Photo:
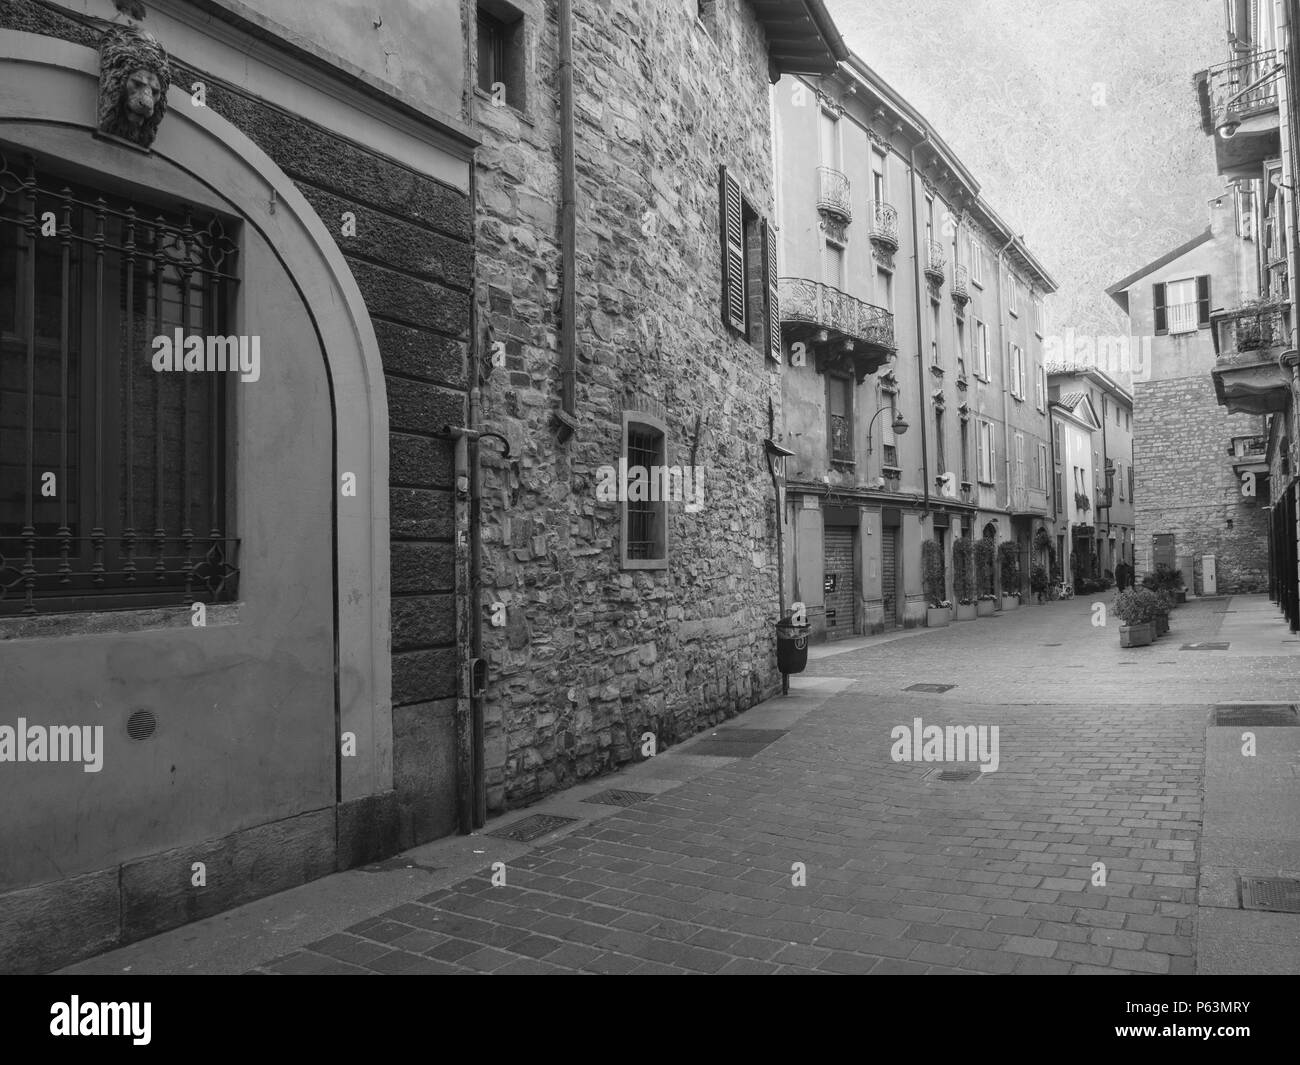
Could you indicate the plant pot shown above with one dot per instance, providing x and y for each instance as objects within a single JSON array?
[
  {"x": 1161, "y": 624},
  {"x": 1135, "y": 635},
  {"x": 1181, "y": 595},
  {"x": 966, "y": 612},
  {"x": 937, "y": 617},
  {"x": 1010, "y": 602},
  {"x": 984, "y": 608}
]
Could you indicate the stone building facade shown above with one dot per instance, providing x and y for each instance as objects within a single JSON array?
[
  {"x": 903, "y": 295},
  {"x": 306, "y": 725},
  {"x": 615, "y": 620},
  {"x": 1190, "y": 502}
]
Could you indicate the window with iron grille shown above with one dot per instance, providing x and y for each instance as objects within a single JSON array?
[
  {"x": 645, "y": 520},
  {"x": 112, "y": 476},
  {"x": 839, "y": 404}
]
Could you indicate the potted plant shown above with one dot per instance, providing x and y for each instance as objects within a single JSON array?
[
  {"x": 1009, "y": 564},
  {"x": 1135, "y": 607},
  {"x": 987, "y": 602},
  {"x": 963, "y": 578},
  {"x": 933, "y": 579},
  {"x": 1038, "y": 581},
  {"x": 1164, "y": 604}
]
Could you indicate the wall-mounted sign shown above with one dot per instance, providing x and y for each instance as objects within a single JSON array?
[{"x": 831, "y": 580}]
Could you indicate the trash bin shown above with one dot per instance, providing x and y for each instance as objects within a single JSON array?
[{"x": 791, "y": 645}]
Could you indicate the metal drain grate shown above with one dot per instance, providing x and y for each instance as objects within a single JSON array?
[
  {"x": 1278, "y": 894},
  {"x": 141, "y": 725},
  {"x": 530, "y": 828},
  {"x": 1204, "y": 647},
  {"x": 954, "y": 776},
  {"x": 620, "y": 797},
  {"x": 936, "y": 688},
  {"x": 1255, "y": 715}
]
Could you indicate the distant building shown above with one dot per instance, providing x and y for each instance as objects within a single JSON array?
[
  {"x": 905, "y": 301},
  {"x": 1190, "y": 505}
]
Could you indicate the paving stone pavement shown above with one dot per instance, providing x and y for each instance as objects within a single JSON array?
[{"x": 1098, "y": 763}]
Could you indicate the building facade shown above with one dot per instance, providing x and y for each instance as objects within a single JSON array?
[
  {"x": 626, "y": 298},
  {"x": 913, "y": 389},
  {"x": 1113, "y": 481},
  {"x": 1190, "y": 504},
  {"x": 230, "y": 595},
  {"x": 1247, "y": 107}
]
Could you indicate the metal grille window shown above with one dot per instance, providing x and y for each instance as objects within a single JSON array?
[
  {"x": 112, "y": 475},
  {"x": 645, "y": 538}
]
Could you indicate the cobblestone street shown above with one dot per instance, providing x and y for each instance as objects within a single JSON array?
[{"x": 905, "y": 873}]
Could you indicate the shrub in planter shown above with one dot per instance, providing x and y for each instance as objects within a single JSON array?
[
  {"x": 963, "y": 577},
  {"x": 934, "y": 583},
  {"x": 985, "y": 554},
  {"x": 1009, "y": 566},
  {"x": 1038, "y": 581},
  {"x": 1137, "y": 609}
]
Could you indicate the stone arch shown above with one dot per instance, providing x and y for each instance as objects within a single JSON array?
[{"x": 47, "y": 101}]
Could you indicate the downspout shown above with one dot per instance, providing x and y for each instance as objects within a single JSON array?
[
  {"x": 920, "y": 362},
  {"x": 1004, "y": 356},
  {"x": 567, "y": 415}
]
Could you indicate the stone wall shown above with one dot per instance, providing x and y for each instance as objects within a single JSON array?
[
  {"x": 1186, "y": 485},
  {"x": 592, "y": 655}
]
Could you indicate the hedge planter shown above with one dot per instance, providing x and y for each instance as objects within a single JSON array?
[
  {"x": 984, "y": 608},
  {"x": 1161, "y": 624},
  {"x": 1135, "y": 635},
  {"x": 937, "y": 617},
  {"x": 1010, "y": 602},
  {"x": 966, "y": 612}
]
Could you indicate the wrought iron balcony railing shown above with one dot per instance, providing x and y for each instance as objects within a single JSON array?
[
  {"x": 833, "y": 193},
  {"x": 960, "y": 284},
  {"x": 884, "y": 225},
  {"x": 936, "y": 264},
  {"x": 1252, "y": 328},
  {"x": 1239, "y": 88},
  {"x": 816, "y": 304}
]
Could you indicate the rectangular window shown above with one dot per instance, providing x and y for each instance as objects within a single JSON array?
[
  {"x": 940, "y": 461},
  {"x": 1042, "y": 389},
  {"x": 885, "y": 288},
  {"x": 965, "y": 450},
  {"x": 839, "y": 406},
  {"x": 1013, "y": 294},
  {"x": 889, "y": 442},
  {"x": 935, "y": 359},
  {"x": 1017, "y": 372},
  {"x": 1056, "y": 438},
  {"x": 1059, "y": 490},
  {"x": 1039, "y": 315},
  {"x": 1040, "y": 479},
  {"x": 749, "y": 269},
  {"x": 929, "y": 219},
  {"x": 981, "y": 350},
  {"x": 1131, "y": 496},
  {"x": 830, "y": 140},
  {"x": 138, "y": 516},
  {"x": 645, "y": 521},
  {"x": 1020, "y": 460},
  {"x": 1180, "y": 305},
  {"x": 960, "y": 325},
  {"x": 501, "y": 52},
  {"x": 987, "y": 453},
  {"x": 1119, "y": 468},
  {"x": 976, "y": 261},
  {"x": 879, "y": 193}
]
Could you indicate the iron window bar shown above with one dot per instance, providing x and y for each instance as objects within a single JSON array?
[{"x": 86, "y": 282}]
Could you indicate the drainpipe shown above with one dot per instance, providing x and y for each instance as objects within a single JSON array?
[
  {"x": 920, "y": 362},
  {"x": 567, "y": 414}
]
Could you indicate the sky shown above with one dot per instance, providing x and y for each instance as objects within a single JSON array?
[{"x": 1077, "y": 118}]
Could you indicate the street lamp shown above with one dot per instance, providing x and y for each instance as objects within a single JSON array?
[{"x": 900, "y": 424}]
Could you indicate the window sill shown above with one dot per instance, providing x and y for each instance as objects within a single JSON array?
[
  {"x": 519, "y": 113},
  {"x": 936, "y": 369},
  {"x": 114, "y": 622}
]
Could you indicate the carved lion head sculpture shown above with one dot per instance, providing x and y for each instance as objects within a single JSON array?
[{"x": 134, "y": 75}]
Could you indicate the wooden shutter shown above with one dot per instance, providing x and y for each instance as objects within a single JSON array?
[
  {"x": 733, "y": 253},
  {"x": 773, "y": 300},
  {"x": 1158, "y": 302},
  {"x": 1203, "y": 299}
]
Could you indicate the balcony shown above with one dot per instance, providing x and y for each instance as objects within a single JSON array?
[
  {"x": 936, "y": 264},
  {"x": 842, "y": 332},
  {"x": 1239, "y": 109},
  {"x": 960, "y": 286},
  {"x": 884, "y": 226},
  {"x": 1249, "y": 377},
  {"x": 833, "y": 194}
]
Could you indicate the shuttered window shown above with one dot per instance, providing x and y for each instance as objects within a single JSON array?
[
  {"x": 773, "y": 301},
  {"x": 1158, "y": 303},
  {"x": 733, "y": 253},
  {"x": 1203, "y": 300}
]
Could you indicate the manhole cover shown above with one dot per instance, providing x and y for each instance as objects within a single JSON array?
[
  {"x": 392, "y": 864},
  {"x": 936, "y": 688},
  {"x": 620, "y": 797},
  {"x": 1255, "y": 715},
  {"x": 1204, "y": 647},
  {"x": 530, "y": 828},
  {"x": 1279, "y": 894},
  {"x": 141, "y": 725},
  {"x": 736, "y": 742},
  {"x": 954, "y": 776}
]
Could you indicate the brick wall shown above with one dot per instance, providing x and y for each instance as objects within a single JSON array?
[
  {"x": 1185, "y": 483},
  {"x": 592, "y": 655}
]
